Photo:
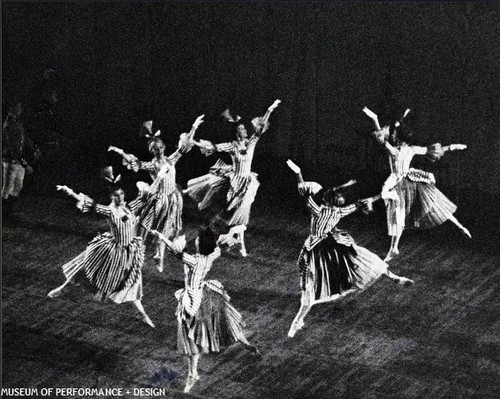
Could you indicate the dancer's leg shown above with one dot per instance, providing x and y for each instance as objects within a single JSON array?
[
  {"x": 243, "y": 250},
  {"x": 193, "y": 372},
  {"x": 160, "y": 255},
  {"x": 394, "y": 250},
  {"x": 305, "y": 307},
  {"x": 145, "y": 318}
]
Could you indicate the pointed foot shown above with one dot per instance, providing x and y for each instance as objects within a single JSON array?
[
  {"x": 190, "y": 381},
  {"x": 146, "y": 320},
  {"x": 405, "y": 281},
  {"x": 296, "y": 326},
  {"x": 391, "y": 255},
  {"x": 55, "y": 293},
  {"x": 466, "y": 232}
]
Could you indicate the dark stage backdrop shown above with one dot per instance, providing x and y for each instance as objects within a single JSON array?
[{"x": 115, "y": 65}]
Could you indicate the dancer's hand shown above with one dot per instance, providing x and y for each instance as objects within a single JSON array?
[
  {"x": 65, "y": 189},
  {"x": 370, "y": 113},
  {"x": 459, "y": 147},
  {"x": 115, "y": 149},
  {"x": 274, "y": 105},
  {"x": 198, "y": 121},
  {"x": 295, "y": 168}
]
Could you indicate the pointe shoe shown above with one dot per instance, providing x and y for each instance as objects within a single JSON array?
[
  {"x": 55, "y": 293},
  {"x": 466, "y": 232},
  {"x": 145, "y": 319},
  {"x": 159, "y": 266},
  {"x": 159, "y": 262},
  {"x": 405, "y": 281},
  {"x": 391, "y": 255},
  {"x": 190, "y": 381},
  {"x": 243, "y": 252}
]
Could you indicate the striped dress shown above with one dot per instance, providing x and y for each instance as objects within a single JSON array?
[
  {"x": 163, "y": 207},
  {"x": 229, "y": 190},
  {"x": 330, "y": 262},
  {"x": 410, "y": 195},
  {"x": 111, "y": 266},
  {"x": 206, "y": 319}
]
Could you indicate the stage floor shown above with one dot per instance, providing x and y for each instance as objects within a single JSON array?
[{"x": 437, "y": 339}]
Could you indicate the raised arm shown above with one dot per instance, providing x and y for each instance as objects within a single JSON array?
[
  {"x": 307, "y": 189},
  {"x": 373, "y": 116},
  {"x": 262, "y": 124},
  {"x": 296, "y": 169},
  {"x": 381, "y": 134},
  {"x": 186, "y": 140}
]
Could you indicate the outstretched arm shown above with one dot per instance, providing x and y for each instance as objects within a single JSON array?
[
  {"x": 261, "y": 124},
  {"x": 84, "y": 202},
  {"x": 436, "y": 151},
  {"x": 127, "y": 157},
  {"x": 367, "y": 203}
]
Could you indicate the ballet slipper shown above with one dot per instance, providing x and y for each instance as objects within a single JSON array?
[
  {"x": 390, "y": 255},
  {"x": 145, "y": 319},
  {"x": 405, "y": 281},
  {"x": 296, "y": 326},
  {"x": 190, "y": 381},
  {"x": 55, "y": 293}
]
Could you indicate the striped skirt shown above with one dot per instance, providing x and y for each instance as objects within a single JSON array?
[
  {"x": 109, "y": 269},
  {"x": 418, "y": 204},
  {"x": 162, "y": 213},
  {"x": 222, "y": 193},
  {"x": 331, "y": 268},
  {"x": 215, "y": 324}
]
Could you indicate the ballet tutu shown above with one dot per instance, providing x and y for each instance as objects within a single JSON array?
[
  {"x": 417, "y": 204},
  {"x": 214, "y": 324},
  {"x": 336, "y": 264},
  {"x": 109, "y": 269},
  {"x": 162, "y": 213}
]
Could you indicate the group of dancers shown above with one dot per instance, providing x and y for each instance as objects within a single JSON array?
[{"x": 331, "y": 265}]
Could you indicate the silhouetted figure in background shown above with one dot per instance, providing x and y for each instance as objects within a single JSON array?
[{"x": 18, "y": 152}]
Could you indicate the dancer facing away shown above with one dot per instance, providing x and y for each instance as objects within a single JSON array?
[
  {"x": 206, "y": 319},
  {"x": 331, "y": 264},
  {"x": 227, "y": 192},
  {"x": 408, "y": 189},
  {"x": 163, "y": 208},
  {"x": 111, "y": 266}
]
